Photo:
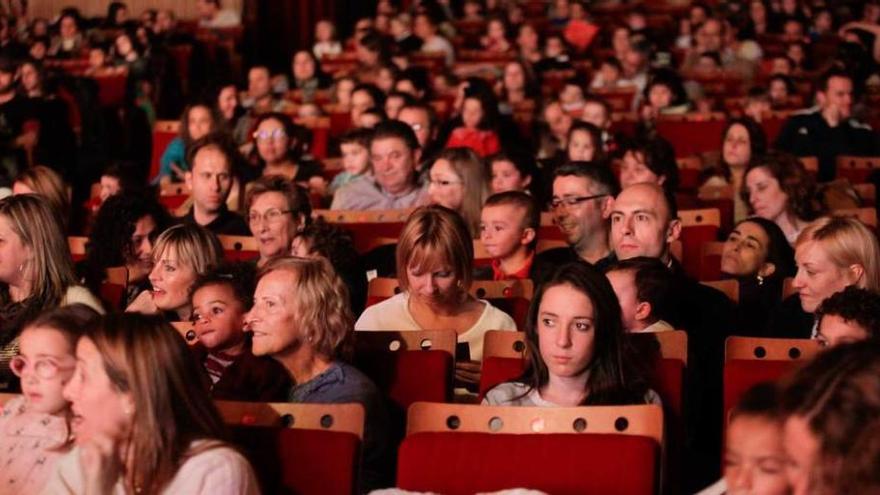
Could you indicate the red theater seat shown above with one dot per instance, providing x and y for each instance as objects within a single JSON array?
[{"x": 697, "y": 227}]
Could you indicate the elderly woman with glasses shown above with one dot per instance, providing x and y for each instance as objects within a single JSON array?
[{"x": 277, "y": 210}]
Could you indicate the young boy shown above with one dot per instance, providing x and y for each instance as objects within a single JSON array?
[
  {"x": 508, "y": 230},
  {"x": 642, "y": 286},
  {"x": 851, "y": 315},
  {"x": 355, "y": 148}
]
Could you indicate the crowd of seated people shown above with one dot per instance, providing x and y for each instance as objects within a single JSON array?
[{"x": 625, "y": 169}]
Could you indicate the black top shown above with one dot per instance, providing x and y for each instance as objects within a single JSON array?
[
  {"x": 790, "y": 321},
  {"x": 546, "y": 261},
  {"x": 227, "y": 223}
]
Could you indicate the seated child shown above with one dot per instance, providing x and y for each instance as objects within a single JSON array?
[
  {"x": 35, "y": 429},
  {"x": 325, "y": 40},
  {"x": 220, "y": 299},
  {"x": 851, "y": 315},
  {"x": 642, "y": 286},
  {"x": 510, "y": 172},
  {"x": 479, "y": 117},
  {"x": 508, "y": 230},
  {"x": 355, "y": 148},
  {"x": 754, "y": 457}
]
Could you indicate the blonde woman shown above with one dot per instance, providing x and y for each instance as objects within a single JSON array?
[
  {"x": 831, "y": 253},
  {"x": 144, "y": 422},
  {"x": 46, "y": 182},
  {"x": 36, "y": 272},
  {"x": 180, "y": 255},
  {"x": 301, "y": 318},
  {"x": 458, "y": 181}
]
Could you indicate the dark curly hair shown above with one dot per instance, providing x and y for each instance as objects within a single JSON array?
[
  {"x": 110, "y": 239},
  {"x": 854, "y": 304},
  {"x": 331, "y": 242},
  {"x": 794, "y": 180},
  {"x": 239, "y": 276}
]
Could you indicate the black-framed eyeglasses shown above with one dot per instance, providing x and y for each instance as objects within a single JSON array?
[{"x": 573, "y": 200}]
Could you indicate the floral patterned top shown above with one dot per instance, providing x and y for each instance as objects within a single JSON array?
[{"x": 30, "y": 445}]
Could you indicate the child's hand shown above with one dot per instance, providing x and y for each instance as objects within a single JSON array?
[
  {"x": 467, "y": 371},
  {"x": 100, "y": 464}
]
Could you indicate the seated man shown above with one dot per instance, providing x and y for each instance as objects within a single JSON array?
[
  {"x": 508, "y": 228},
  {"x": 211, "y": 15},
  {"x": 210, "y": 182},
  {"x": 851, "y": 315},
  {"x": 643, "y": 288},
  {"x": 828, "y": 130},
  {"x": 394, "y": 152}
]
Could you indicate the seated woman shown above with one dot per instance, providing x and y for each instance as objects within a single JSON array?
[
  {"x": 832, "y": 253},
  {"x": 742, "y": 142},
  {"x": 198, "y": 121},
  {"x": 301, "y": 318},
  {"x": 220, "y": 299},
  {"x": 35, "y": 427},
  {"x": 435, "y": 257},
  {"x": 577, "y": 354},
  {"x": 585, "y": 143},
  {"x": 36, "y": 273},
  {"x": 144, "y": 422},
  {"x": 479, "y": 129},
  {"x": 457, "y": 180},
  {"x": 48, "y": 184},
  {"x": 758, "y": 256},
  {"x": 777, "y": 187},
  {"x": 279, "y": 144},
  {"x": 123, "y": 234},
  {"x": 180, "y": 255},
  {"x": 305, "y": 75},
  {"x": 649, "y": 160},
  {"x": 517, "y": 86},
  {"x": 277, "y": 209}
]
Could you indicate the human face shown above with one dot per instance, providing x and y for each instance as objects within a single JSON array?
[
  {"x": 801, "y": 451},
  {"x": 765, "y": 195},
  {"x": 640, "y": 224},
  {"x": 446, "y": 187},
  {"x": 303, "y": 66},
  {"x": 361, "y": 101},
  {"x": 514, "y": 77},
  {"x": 838, "y": 96},
  {"x": 566, "y": 331},
  {"x": 30, "y": 79},
  {"x": 273, "y": 236},
  {"x": 583, "y": 220},
  {"x": 709, "y": 36},
  {"x": 506, "y": 177},
  {"x": 343, "y": 92},
  {"x": 123, "y": 45},
  {"x": 834, "y": 330},
  {"x": 581, "y": 146},
  {"x": 558, "y": 120},
  {"x": 737, "y": 146},
  {"x": 273, "y": 319},
  {"x": 210, "y": 180},
  {"x": 355, "y": 158},
  {"x": 778, "y": 91},
  {"x": 502, "y": 230},
  {"x": 140, "y": 259},
  {"x": 420, "y": 123},
  {"x": 15, "y": 257},
  {"x": 272, "y": 141},
  {"x": 595, "y": 114},
  {"x": 44, "y": 348},
  {"x": 634, "y": 171},
  {"x": 393, "y": 104},
  {"x": 754, "y": 460},
  {"x": 660, "y": 96},
  {"x": 109, "y": 187},
  {"x": 817, "y": 276},
  {"x": 472, "y": 113},
  {"x": 434, "y": 285},
  {"x": 227, "y": 100},
  {"x": 99, "y": 409},
  {"x": 199, "y": 122},
  {"x": 301, "y": 247},
  {"x": 258, "y": 83},
  {"x": 171, "y": 279},
  {"x": 68, "y": 27},
  {"x": 218, "y": 317},
  {"x": 624, "y": 284},
  {"x": 745, "y": 251},
  {"x": 393, "y": 164}
]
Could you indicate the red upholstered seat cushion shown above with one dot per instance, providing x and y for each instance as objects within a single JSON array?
[
  {"x": 465, "y": 463},
  {"x": 301, "y": 461},
  {"x": 692, "y": 239},
  {"x": 742, "y": 374},
  {"x": 496, "y": 370},
  {"x": 410, "y": 376}
]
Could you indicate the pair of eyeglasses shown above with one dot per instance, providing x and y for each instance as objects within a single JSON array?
[
  {"x": 43, "y": 368},
  {"x": 276, "y": 134},
  {"x": 573, "y": 200},
  {"x": 444, "y": 183},
  {"x": 270, "y": 216}
]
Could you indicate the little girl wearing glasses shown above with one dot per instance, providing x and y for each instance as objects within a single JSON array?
[{"x": 35, "y": 427}]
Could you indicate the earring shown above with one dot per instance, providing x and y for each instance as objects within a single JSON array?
[{"x": 760, "y": 280}]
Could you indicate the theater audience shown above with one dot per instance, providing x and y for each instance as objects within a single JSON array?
[
  {"x": 210, "y": 183},
  {"x": 510, "y": 172},
  {"x": 220, "y": 299},
  {"x": 457, "y": 180},
  {"x": 279, "y": 150},
  {"x": 577, "y": 354},
  {"x": 354, "y": 146},
  {"x": 650, "y": 160},
  {"x": 742, "y": 143},
  {"x": 198, "y": 121},
  {"x": 35, "y": 428},
  {"x": 277, "y": 209},
  {"x": 509, "y": 225},
  {"x": 435, "y": 256},
  {"x": 301, "y": 318},
  {"x": 136, "y": 392},
  {"x": 180, "y": 254},
  {"x": 851, "y": 315},
  {"x": 585, "y": 143}
]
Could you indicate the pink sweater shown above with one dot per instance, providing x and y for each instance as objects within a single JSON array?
[{"x": 30, "y": 445}]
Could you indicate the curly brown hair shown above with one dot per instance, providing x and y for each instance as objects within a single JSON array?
[{"x": 794, "y": 180}]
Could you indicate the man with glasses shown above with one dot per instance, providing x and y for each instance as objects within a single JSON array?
[
  {"x": 394, "y": 152},
  {"x": 210, "y": 182},
  {"x": 583, "y": 193}
]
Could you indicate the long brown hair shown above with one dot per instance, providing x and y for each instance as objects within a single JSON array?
[{"x": 145, "y": 357}]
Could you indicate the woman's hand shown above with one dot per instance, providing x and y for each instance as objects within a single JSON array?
[
  {"x": 100, "y": 464},
  {"x": 467, "y": 371}
]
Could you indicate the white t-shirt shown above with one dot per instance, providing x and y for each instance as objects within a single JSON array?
[{"x": 393, "y": 314}]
